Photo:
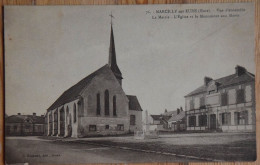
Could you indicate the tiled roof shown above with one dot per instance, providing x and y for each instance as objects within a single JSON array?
[
  {"x": 161, "y": 117},
  {"x": 156, "y": 117},
  {"x": 166, "y": 118},
  {"x": 134, "y": 103},
  {"x": 22, "y": 118},
  {"x": 169, "y": 113},
  {"x": 74, "y": 92},
  {"x": 177, "y": 117},
  {"x": 226, "y": 81}
]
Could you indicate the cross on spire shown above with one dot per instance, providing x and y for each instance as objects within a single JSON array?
[
  {"x": 112, "y": 56},
  {"x": 111, "y": 17}
]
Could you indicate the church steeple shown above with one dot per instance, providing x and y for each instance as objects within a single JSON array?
[{"x": 112, "y": 57}]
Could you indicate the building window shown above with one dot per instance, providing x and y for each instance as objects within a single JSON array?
[
  {"x": 107, "y": 126},
  {"x": 120, "y": 127},
  {"x": 27, "y": 126},
  {"x": 75, "y": 113},
  {"x": 67, "y": 114},
  {"x": 241, "y": 118},
  {"x": 98, "y": 104},
  {"x": 92, "y": 128},
  {"x": 203, "y": 120},
  {"x": 56, "y": 116},
  {"x": 50, "y": 118},
  {"x": 8, "y": 129},
  {"x": 191, "y": 104},
  {"x": 15, "y": 128},
  {"x": 202, "y": 102},
  {"x": 39, "y": 128},
  {"x": 240, "y": 96},
  {"x": 114, "y": 105},
  {"x": 90, "y": 103},
  {"x": 224, "y": 99},
  {"x": 106, "y": 102},
  {"x": 192, "y": 121},
  {"x": 226, "y": 118},
  {"x": 132, "y": 119}
]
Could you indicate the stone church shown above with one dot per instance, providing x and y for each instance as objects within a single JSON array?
[{"x": 96, "y": 105}]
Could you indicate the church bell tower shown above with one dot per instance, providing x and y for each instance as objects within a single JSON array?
[{"x": 112, "y": 57}]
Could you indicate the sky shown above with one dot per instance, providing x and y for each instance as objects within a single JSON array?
[{"x": 50, "y": 48}]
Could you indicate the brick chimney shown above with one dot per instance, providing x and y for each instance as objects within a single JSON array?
[
  {"x": 240, "y": 70},
  {"x": 207, "y": 80}
]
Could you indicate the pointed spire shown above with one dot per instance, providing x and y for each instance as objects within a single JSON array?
[{"x": 112, "y": 57}]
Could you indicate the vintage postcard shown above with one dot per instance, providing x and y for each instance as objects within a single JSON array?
[{"x": 129, "y": 84}]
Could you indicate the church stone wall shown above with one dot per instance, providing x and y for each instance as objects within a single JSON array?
[
  {"x": 138, "y": 126},
  {"x": 104, "y": 126},
  {"x": 102, "y": 82},
  {"x": 69, "y": 124},
  {"x": 69, "y": 118}
]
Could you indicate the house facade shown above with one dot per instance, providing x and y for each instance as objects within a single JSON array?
[
  {"x": 135, "y": 114},
  {"x": 157, "y": 123},
  {"x": 169, "y": 121},
  {"x": 226, "y": 104},
  {"x": 24, "y": 125},
  {"x": 96, "y": 105},
  {"x": 177, "y": 122}
]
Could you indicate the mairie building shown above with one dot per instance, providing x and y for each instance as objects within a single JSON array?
[
  {"x": 96, "y": 105},
  {"x": 226, "y": 104}
]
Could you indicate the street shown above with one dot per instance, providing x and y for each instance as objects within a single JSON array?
[
  {"x": 35, "y": 150},
  {"x": 125, "y": 149}
]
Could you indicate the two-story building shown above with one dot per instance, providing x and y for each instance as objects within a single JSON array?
[{"x": 224, "y": 104}]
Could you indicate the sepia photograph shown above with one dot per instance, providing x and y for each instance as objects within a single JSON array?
[{"x": 129, "y": 83}]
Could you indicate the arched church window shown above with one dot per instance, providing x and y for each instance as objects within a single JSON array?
[
  {"x": 106, "y": 102},
  {"x": 67, "y": 114},
  {"x": 114, "y": 105},
  {"x": 74, "y": 113},
  {"x": 98, "y": 104},
  {"x": 89, "y": 103},
  {"x": 56, "y": 115},
  {"x": 50, "y": 118}
]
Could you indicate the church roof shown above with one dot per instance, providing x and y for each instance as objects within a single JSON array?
[
  {"x": 226, "y": 81},
  {"x": 74, "y": 92},
  {"x": 134, "y": 103},
  {"x": 22, "y": 118}
]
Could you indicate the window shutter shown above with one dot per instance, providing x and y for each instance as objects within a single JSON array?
[
  {"x": 229, "y": 118},
  {"x": 236, "y": 118},
  {"x": 220, "y": 119},
  {"x": 224, "y": 99},
  {"x": 240, "y": 96}
]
